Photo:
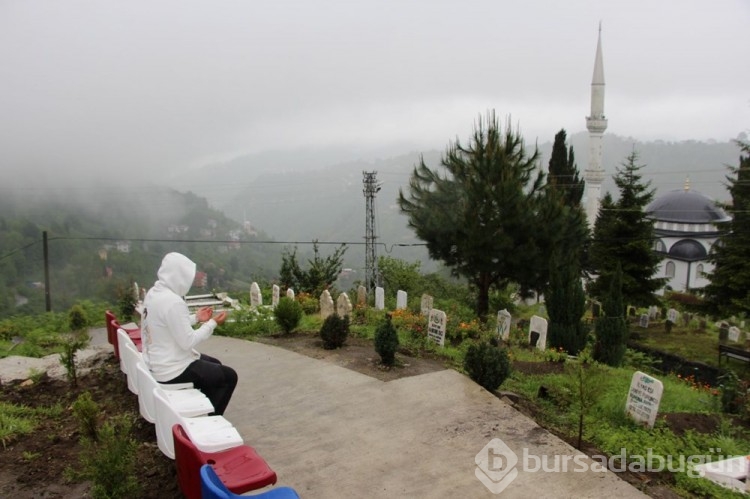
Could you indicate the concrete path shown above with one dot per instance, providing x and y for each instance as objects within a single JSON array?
[{"x": 334, "y": 433}]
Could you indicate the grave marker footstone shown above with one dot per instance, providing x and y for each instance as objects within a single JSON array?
[
  {"x": 436, "y": 323},
  {"x": 400, "y": 300},
  {"x": 256, "y": 299},
  {"x": 343, "y": 305},
  {"x": 379, "y": 298},
  {"x": 538, "y": 332},
  {"x": 644, "y": 398},
  {"x": 275, "y": 295},
  {"x": 503, "y": 324},
  {"x": 326, "y": 304},
  {"x": 426, "y": 304}
]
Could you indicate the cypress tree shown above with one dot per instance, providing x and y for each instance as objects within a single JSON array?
[
  {"x": 611, "y": 327},
  {"x": 563, "y": 172},
  {"x": 566, "y": 304}
]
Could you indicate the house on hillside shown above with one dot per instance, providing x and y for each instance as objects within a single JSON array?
[{"x": 686, "y": 226}]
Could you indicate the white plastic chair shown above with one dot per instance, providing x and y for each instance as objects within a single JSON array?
[
  {"x": 122, "y": 340},
  {"x": 208, "y": 433},
  {"x": 186, "y": 400},
  {"x": 130, "y": 356}
]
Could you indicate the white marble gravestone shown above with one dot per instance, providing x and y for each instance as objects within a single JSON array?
[
  {"x": 256, "y": 299},
  {"x": 653, "y": 312},
  {"x": 400, "y": 300},
  {"x": 644, "y": 398},
  {"x": 672, "y": 315},
  {"x": 538, "y": 325},
  {"x": 436, "y": 324},
  {"x": 734, "y": 334},
  {"x": 326, "y": 304},
  {"x": 643, "y": 321},
  {"x": 503, "y": 324},
  {"x": 425, "y": 305},
  {"x": 275, "y": 295},
  {"x": 343, "y": 305},
  {"x": 290, "y": 293},
  {"x": 379, "y": 298}
]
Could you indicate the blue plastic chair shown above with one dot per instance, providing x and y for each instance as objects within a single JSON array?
[{"x": 213, "y": 488}]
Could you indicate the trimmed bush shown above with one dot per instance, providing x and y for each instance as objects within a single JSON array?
[
  {"x": 488, "y": 365},
  {"x": 386, "y": 341},
  {"x": 288, "y": 314},
  {"x": 334, "y": 331},
  {"x": 77, "y": 318}
]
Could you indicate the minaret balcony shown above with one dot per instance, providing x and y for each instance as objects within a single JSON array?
[{"x": 596, "y": 124}]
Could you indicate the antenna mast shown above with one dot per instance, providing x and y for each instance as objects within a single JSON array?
[{"x": 371, "y": 187}]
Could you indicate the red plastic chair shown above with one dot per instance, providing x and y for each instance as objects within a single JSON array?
[
  {"x": 111, "y": 332},
  {"x": 240, "y": 468},
  {"x": 134, "y": 333}
]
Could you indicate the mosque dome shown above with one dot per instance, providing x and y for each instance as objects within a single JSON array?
[
  {"x": 686, "y": 206},
  {"x": 688, "y": 250}
]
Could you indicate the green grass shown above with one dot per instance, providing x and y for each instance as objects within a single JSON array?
[
  {"x": 689, "y": 343},
  {"x": 19, "y": 420}
]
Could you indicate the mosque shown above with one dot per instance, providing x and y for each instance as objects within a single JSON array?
[{"x": 684, "y": 219}]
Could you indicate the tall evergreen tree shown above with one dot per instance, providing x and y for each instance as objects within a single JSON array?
[
  {"x": 612, "y": 328},
  {"x": 566, "y": 304},
  {"x": 623, "y": 236},
  {"x": 480, "y": 214},
  {"x": 563, "y": 171},
  {"x": 729, "y": 290}
]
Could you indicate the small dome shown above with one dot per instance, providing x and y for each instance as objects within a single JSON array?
[
  {"x": 686, "y": 206},
  {"x": 688, "y": 249}
]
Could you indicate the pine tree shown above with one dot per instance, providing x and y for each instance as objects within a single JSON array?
[
  {"x": 729, "y": 290},
  {"x": 623, "y": 236},
  {"x": 563, "y": 172},
  {"x": 612, "y": 328},
  {"x": 566, "y": 304}
]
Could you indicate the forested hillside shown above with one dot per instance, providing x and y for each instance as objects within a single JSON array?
[{"x": 101, "y": 242}]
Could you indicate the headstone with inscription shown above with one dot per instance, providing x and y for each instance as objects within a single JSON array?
[
  {"x": 672, "y": 315},
  {"x": 401, "y": 299},
  {"x": 643, "y": 321},
  {"x": 290, "y": 293},
  {"x": 326, "y": 304},
  {"x": 503, "y": 324},
  {"x": 275, "y": 295},
  {"x": 379, "y": 298},
  {"x": 538, "y": 332},
  {"x": 436, "y": 324},
  {"x": 644, "y": 398},
  {"x": 361, "y": 296},
  {"x": 256, "y": 299},
  {"x": 343, "y": 305},
  {"x": 426, "y": 304}
]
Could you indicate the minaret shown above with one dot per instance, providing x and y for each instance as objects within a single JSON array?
[{"x": 596, "y": 124}]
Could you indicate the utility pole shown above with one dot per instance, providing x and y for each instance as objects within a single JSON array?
[{"x": 371, "y": 187}]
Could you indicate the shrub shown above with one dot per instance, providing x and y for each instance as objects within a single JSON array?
[
  {"x": 334, "y": 331},
  {"x": 309, "y": 303},
  {"x": 71, "y": 343},
  {"x": 386, "y": 341},
  {"x": 288, "y": 314},
  {"x": 488, "y": 365},
  {"x": 86, "y": 411},
  {"x": 77, "y": 319}
]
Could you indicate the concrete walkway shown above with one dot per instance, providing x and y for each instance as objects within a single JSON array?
[{"x": 334, "y": 433}]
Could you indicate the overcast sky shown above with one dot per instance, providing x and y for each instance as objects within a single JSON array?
[{"x": 151, "y": 86}]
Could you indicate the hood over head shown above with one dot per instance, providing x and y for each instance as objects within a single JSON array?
[{"x": 177, "y": 273}]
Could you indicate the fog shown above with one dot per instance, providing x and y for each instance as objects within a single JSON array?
[{"x": 140, "y": 91}]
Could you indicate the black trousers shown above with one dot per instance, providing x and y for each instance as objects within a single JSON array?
[{"x": 214, "y": 379}]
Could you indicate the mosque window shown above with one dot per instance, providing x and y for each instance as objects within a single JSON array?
[
  {"x": 670, "y": 269},
  {"x": 699, "y": 270},
  {"x": 659, "y": 246}
]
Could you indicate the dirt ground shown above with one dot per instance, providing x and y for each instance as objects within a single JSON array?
[{"x": 34, "y": 466}]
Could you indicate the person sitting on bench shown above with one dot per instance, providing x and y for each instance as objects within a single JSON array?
[{"x": 169, "y": 339}]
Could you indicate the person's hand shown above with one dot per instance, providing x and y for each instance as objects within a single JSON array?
[
  {"x": 204, "y": 314},
  {"x": 220, "y": 317}
]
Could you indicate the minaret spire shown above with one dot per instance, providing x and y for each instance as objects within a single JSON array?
[{"x": 596, "y": 124}]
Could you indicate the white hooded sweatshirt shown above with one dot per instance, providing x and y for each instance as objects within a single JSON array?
[{"x": 167, "y": 328}]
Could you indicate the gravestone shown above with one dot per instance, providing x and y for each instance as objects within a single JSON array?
[
  {"x": 343, "y": 305},
  {"x": 653, "y": 312},
  {"x": 256, "y": 299},
  {"x": 596, "y": 309},
  {"x": 672, "y": 315},
  {"x": 644, "y": 398},
  {"x": 503, "y": 324},
  {"x": 290, "y": 293},
  {"x": 436, "y": 323},
  {"x": 538, "y": 332},
  {"x": 644, "y": 321},
  {"x": 361, "y": 296},
  {"x": 426, "y": 304},
  {"x": 723, "y": 330},
  {"x": 379, "y": 298},
  {"x": 326, "y": 304},
  {"x": 275, "y": 295},
  {"x": 400, "y": 300},
  {"x": 734, "y": 334}
]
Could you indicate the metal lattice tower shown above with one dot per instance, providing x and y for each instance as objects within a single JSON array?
[{"x": 371, "y": 187}]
